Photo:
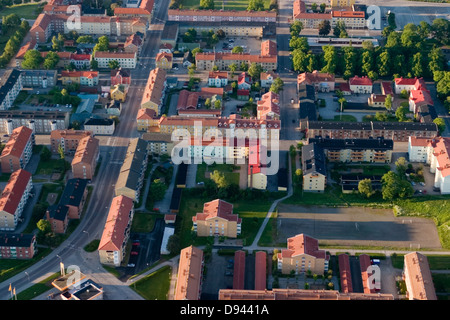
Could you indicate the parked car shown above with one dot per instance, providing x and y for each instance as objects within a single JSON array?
[{"x": 134, "y": 253}]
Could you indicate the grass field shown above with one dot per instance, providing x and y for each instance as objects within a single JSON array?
[
  {"x": 27, "y": 11},
  {"x": 223, "y": 4},
  {"x": 155, "y": 286}
]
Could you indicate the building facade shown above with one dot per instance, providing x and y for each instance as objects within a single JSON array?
[{"x": 18, "y": 150}]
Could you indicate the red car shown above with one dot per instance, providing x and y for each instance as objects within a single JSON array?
[{"x": 134, "y": 253}]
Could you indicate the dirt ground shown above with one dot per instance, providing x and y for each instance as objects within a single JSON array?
[{"x": 356, "y": 226}]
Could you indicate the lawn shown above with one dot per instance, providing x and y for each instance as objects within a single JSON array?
[
  {"x": 154, "y": 286},
  {"x": 38, "y": 289},
  {"x": 442, "y": 285},
  {"x": 144, "y": 221},
  {"x": 226, "y": 169},
  {"x": 27, "y": 11}
]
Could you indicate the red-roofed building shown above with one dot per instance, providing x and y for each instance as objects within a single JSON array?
[
  {"x": 83, "y": 78},
  {"x": 239, "y": 270},
  {"x": 80, "y": 60},
  {"x": 322, "y": 82},
  {"x": 352, "y": 19},
  {"x": 13, "y": 198},
  {"x": 408, "y": 84},
  {"x": 269, "y": 48},
  {"x": 164, "y": 60},
  {"x": 244, "y": 81},
  {"x": 269, "y": 106},
  {"x": 145, "y": 10},
  {"x": 120, "y": 77},
  {"x": 309, "y": 20},
  {"x": 217, "y": 218},
  {"x": 419, "y": 97},
  {"x": 243, "y": 94},
  {"x": 133, "y": 43},
  {"x": 345, "y": 273},
  {"x": 146, "y": 118},
  {"x": 303, "y": 254},
  {"x": 386, "y": 88},
  {"x": 218, "y": 78},
  {"x": 190, "y": 274},
  {"x": 116, "y": 231},
  {"x": 418, "y": 278},
  {"x": 18, "y": 150},
  {"x": 260, "y": 270},
  {"x": 360, "y": 84},
  {"x": 369, "y": 284},
  {"x": 187, "y": 100}
]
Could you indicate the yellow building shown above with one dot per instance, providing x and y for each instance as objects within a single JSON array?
[
  {"x": 146, "y": 118},
  {"x": 119, "y": 93},
  {"x": 302, "y": 254},
  {"x": 164, "y": 60},
  {"x": 217, "y": 218},
  {"x": 342, "y": 3},
  {"x": 154, "y": 90}
]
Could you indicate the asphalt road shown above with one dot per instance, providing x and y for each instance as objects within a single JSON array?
[{"x": 92, "y": 224}]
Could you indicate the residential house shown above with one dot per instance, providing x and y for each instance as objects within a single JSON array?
[
  {"x": 267, "y": 78},
  {"x": 164, "y": 60},
  {"x": 244, "y": 81},
  {"x": 314, "y": 168},
  {"x": 216, "y": 16},
  {"x": 302, "y": 254},
  {"x": 83, "y": 78},
  {"x": 85, "y": 158},
  {"x": 418, "y": 278},
  {"x": 119, "y": 92},
  {"x": 10, "y": 86},
  {"x": 166, "y": 47},
  {"x": 74, "y": 197},
  {"x": 133, "y": 44},
  {"x": 81, "y": 61},
  {"x": 18, "y": 150},
  {"x": 112, "y": 247},
  {"x": 257, "y": 177},
  {"x": 322, "y": 82},
  {"x": 14, "y": 198},
  {"x": 18, "y": 246},
  {"x": 408, "y": 84},
  {"x": 360, "y": 84},
  {"x": 268, "y": 106},
  {"x": 218, "y": 78},
  {"x": 217, "y": 218},
  {"x": 377, "y": 100},
  {"x": 100, "y": 126},
  {"x": 190, "y": 274},
  {"x": 120, "y": 76}
]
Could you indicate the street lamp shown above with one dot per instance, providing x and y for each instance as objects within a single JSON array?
[
  {"x": 28, "y": 276},
  {"x": 84, "y": 231}
]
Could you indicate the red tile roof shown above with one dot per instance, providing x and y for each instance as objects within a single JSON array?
[
  {"x": 303, "y": 244},
  {"x": 79, "y": 74},
  {"x": 360, "y": 81},
  {"x": 348, "y": 14},
  {"x": 14, "y": 189},
  {"x": 190, "y": 270},
  {"x": 239, "y": 270},
  {"x": 260, "y": 270},
  {"x": 418, "y": 274},
  {"x": 268, "y": 48},
  {"x": 217, "y": 208},
  {"x": 187, "y": 100},
  {"x": 17, "y": 142},
  {"x": 345, "y": 273}
]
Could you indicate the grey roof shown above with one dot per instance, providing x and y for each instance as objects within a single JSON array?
[
  {"x": 73, "y": 192},
  {"x": 354, "y": 144},
  {"x": 98, "y": 122},
  {"x": 131, "y": 171},
  {"x": 313, "y": 159},
  {"x": 16, "y": 240},
  {"x": 8, "y": 80},
  {"x": 372, "y": 125},
  {"x": 306, "y": 91},
  {"x": 58, "y": 211},
  {"x": 307, "y": 111}
]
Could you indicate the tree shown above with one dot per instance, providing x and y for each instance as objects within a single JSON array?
[
  {"x": 314, "y": 6},
  {"x": 243, "y": 66},
  {"x": 401, "y": 166},
  {"x": 85, "y": 39},
  {"x": 366, "y": 62},
  {"x": 32, "y": 59},
  {"x": 207, "y": 4},
  {"x": 323, "y": 6},
  {"x": 324, "y": 28},
  {"x": 384, "y": 63},
  {"x": 94, "y": 64},
  {"x": 255, "y": 70},
  {"x": 219, "y": 178},
  {"x": 299, "y": 43},
  {"x": 330, "y": 59},
  {"x": 440, "y": 30},
  {"x": 46, "y": 154},
  {"x": 273, "y": 5},
  {"x": 221, "y": 34},
  {"x": 339, "y": 30},
  {"x": 436, "y": 60},
  {"x": 365, "y": 188},
  {"x": 440, "y": 122},
  {"x": 255, "y": 5},
  {"x": 157, "y": 190},
  {"x": 417, "y": 65},
  {"x": 391, "y": 20},
  {"x": 102, "y": 44},
  {"x": 295, "y": 28},
  {"x": 174, "y": 244},
  {"x": 388, "y": 102},
  {"x": 300, "y": 60},
  {"x": 217, "y": 104},
  {"x": 233, "y": 68},
  {"x": 51, "y": 60},
  {"x": 113, "y": 64},
  {"x": 62, "y": 155},
  {"x": 277, "y": 85},
  {"x": 44, "y": 226},
  {"x": 237, "y": 49},
  {"x": 58, "y": 42}
]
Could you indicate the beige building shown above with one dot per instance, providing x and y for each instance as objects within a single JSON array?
[
  {"x": 146, "y": 118},
  {"x": 417, "y": 276},
  {"x": 352, "y": 19},
  {"x": 18, "y": 150},
  {"x": 314, "y": 168},
  {"x": 158, "y": 143},
  {"x": 125, "y": 59},
  {"x": 116, "y": 232},
  {"x": 217, "y": 218},
  {"x": 303, "y": 254},
  {"x": 342, "y": 3},
  {"x": 164, "y": 60},
  {"x": 68, "y": 139}
]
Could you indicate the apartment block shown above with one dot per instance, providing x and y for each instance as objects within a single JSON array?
[
  {"x": 418, "y": 278},
  {"x": 164, "y": 60},
  {"x": 154, "y": 92},
  {"x": 18, "y": 150},
  {"x": 352, "y": 19},
  {"x": 18, "y": 246},
  {"x": 39, "y": 78},
  {"x": 322, "y": 82},
  {"x": 309, "y": 20},
  {"x": 10, "y": 86},
  {"x": 14, "y": 198},
  {"x": 218, "y": 16},
  {"x": 435, "y": 152},
  {"x": 103, "y": 127},
  {"x": 360, "y": 84},
  {"x": 74, "y": 197},
  {"x": 42, "y": 122},
  {"x": 146, "y": 118},
  {"x": 158, "y": 143},
  {"x": 217, "y": 218},
  {"x": 85, "y": 158},
  {"x": 217, "y": 78},
  {"x": 67, "y": 139},
  {"x": 125, "y": 59},
  {"x": 356, "y": 150},
  {"x": 116, "y": 231},
  {"x": 302, "y": 254},
  {"x": 190, "y": 274},
  {"x": 314, "y": 168}
]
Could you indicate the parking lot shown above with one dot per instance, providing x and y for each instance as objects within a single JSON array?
[{"x": 249, "y": 44}]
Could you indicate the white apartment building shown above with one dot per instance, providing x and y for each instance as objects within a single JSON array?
[
  {"x": 126, "y": 60},
  {"x": 10, "y": 86}
]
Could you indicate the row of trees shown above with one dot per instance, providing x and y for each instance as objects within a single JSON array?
[
  {"x": 16, "y": 29},
  {"x": 410, "y": 53}
]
